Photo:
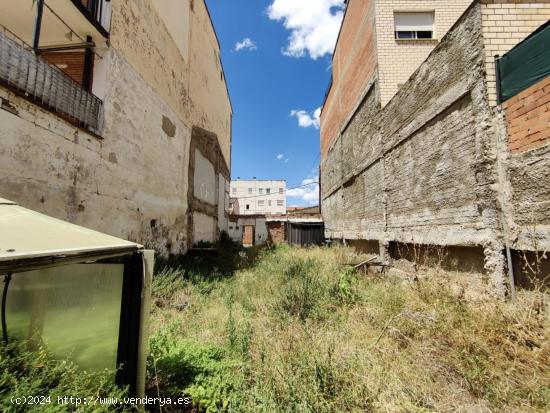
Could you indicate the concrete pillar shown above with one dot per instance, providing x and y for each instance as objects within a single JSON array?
[
  {"x": 495, "y": 266},
  {"x": 384, "y": 246}
]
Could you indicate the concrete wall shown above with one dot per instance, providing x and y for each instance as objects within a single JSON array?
[
  {"x": 367, "y": 49},
  {"x": 505, "y": 24},
  {"x": 207, "y": 191},
  {"x": 237, "y": 224},
  {"x": 422, "y": 169},
  {"x": 527, "y": 166},
  {"x": 438, "y": 166},
  {"x": 160, "y": 78},
  {"x": 204, "y": 179}
]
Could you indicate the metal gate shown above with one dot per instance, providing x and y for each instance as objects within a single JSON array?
[{"x": 304, "y": 234}]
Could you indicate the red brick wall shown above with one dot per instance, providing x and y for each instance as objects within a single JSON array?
[
  {"x": 528, "y": 118},
  {"x": 276, "y": 232},
  {"x": 72, "y": 63},
  {"x": 353, "y": 65}
]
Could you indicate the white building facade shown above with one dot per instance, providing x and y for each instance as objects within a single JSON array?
[{"x": 259, "y": 196}]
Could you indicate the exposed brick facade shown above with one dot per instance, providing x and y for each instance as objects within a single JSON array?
[
  {"x": 71, "y": 63},
  {"x": 276, "y": 232},
  {"x": 353, "y": 66},
  {"x": 528, "y": 118}
]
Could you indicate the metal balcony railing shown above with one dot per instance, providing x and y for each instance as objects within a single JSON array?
[{"x": 28, "y": 75}]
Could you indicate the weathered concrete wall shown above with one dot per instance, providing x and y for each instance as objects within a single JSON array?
[
  {"x": 132, "y": 183},
  {"x": 209, "y": 104},
  {"x": 204, "y": 179},
  {"x": 237, "y": 224},
  {"x": 422, "y": 169},
  {"x": 159, "y": 79},
  {"x": 187, "y": 74},
  {"x": 208, "y": 173},
  {"x": 527, "y": 166}
]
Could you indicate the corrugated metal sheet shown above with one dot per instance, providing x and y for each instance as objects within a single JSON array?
[{"x": 304, "y": 234}]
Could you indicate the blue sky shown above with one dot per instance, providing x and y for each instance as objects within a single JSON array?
[{"x": 276, "y": 57}]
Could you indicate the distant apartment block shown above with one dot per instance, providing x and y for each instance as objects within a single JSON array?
[{"x": 265, "y": 197}]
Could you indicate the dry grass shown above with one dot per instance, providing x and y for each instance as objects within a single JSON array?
[{"x": 301, "y": 332}]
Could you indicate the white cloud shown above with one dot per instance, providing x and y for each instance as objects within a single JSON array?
[
  {"x": 313, "y": 25},
  {"x": 306, "y": 119},
  {"x": 281, "y": 157},
  {"x": 308, "y": 194},
  {"x": 246, "y": 43}
]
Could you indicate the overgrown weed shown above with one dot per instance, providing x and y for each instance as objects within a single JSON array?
[{"x": 300, "y": 331}]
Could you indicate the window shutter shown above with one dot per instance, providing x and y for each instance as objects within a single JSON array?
[{"x": 414, "y": 22}]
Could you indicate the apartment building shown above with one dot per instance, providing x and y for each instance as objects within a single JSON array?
[
  {"x": 259, "y": 197},
  {"x": 116, "y": 116},
  {"x": 425, "y": 148}
]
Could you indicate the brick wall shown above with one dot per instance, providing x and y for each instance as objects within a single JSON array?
[
  {"x": 71, "y": 63},
  {"x": 398, "y": 59},
  {"x": 276, "y": 232},
  {"x": 528, "y": 118},
  {"x": 505, "y": 24},
  {"x": 353, "y": 66}
]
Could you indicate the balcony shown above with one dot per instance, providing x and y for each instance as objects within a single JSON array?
[
  {"x": 51, "y": 53},
  {"x": 35, "y": 79}
]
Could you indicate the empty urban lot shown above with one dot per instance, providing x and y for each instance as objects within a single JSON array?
[{"x": 299, "y": 330}]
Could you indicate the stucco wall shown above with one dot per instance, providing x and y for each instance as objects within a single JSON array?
[
  {"x": 237, "y": 224},
  {"x": 204, "y": 179},
  {"x": 193, "y": 84},
  {"x": 132, "y": 183}
]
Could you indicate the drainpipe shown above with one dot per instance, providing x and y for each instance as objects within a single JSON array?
[
  {"x": 37, "y": 25},
  {"x": 502, "y": 200}
]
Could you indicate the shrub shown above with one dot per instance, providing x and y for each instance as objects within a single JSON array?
[
  {"x": 180, "y": 367},
  {"x": 24, "y": 373}
]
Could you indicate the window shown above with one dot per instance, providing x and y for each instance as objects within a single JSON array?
[
  {"x": 261, "y": 191},
  {"x": 281, "y": 190},
  {"x": 234, "y": 190},
  {"x": 414, "y": 25},
  {"x": 268, "y": 190},
  {"x": 269, "y": 203},
  {"x": 261, "y": 202},
  {"x": 280, "y": 202},
  {"x": 250, "y": 191},
  {"x": 247, "y": 207}
]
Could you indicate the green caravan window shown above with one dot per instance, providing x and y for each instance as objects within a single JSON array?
[{"x": 73, "y": 310}]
